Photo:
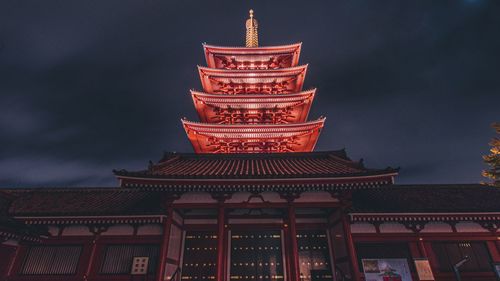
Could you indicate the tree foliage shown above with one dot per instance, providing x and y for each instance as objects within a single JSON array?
[{"x": 493, "y": 159}]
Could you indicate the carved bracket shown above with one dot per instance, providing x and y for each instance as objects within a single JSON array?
[
  {"x": 344, "y": 197},
  {"x": 289, "y": 196},
  {"x": 491, "y": 226},
  {"x": 221, "y": 196},
  {"x": 258, "y": 196},
  {"x": 98, "y": 229},
  {"x": 414, "y": 226},
  {"x": 3, "y": 239},
  {"x": 169, "y": 198}
]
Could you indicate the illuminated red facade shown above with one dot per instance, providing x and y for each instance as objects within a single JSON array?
[
  {"x": 222, "y": 215},
  {"x": 252, "y": 101}
]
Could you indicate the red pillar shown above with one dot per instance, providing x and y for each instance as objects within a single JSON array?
[
  {"x": 421, "y": 248},
  {"x": 91, "y": 257},
  {"x": 220, "y": 243},
  {"x": 351, "y": 249},
  {"x": 13, "y": 259},
  {"x": 167, "y": 224},
  {"x": 294, "y": 259},
  {"x": 494, "y": 251},
  {"x": 331, "y": 241},
  {"x": 287, "y": 251}
]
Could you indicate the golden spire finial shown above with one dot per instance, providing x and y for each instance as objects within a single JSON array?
[{"x": 252, "y": 31}]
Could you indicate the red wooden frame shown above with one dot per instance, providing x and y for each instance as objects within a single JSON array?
[
  {"x": 419, "y": 243},
  {"x": 84, "y": 241},
  {"x": 420, "y": 246},
  {"x": 85, "y": 257}
]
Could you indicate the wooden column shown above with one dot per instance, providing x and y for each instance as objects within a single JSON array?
[
  {"x": 286, "y": 251},
  {"x": 162, "y": 261},
  {"x": 220, "y": 274},
  {"x": 294, "y": 259},
  {"x": 331, "y": 241},
  {"x": 421, "y": 248},
  {"x": 221, "y": 222},
  {"x": 351, "y": 249},
  {"x": 96, "y": 231},
  {"x": 494, "y": 251},
  {"x": 12, "y": 261},
  {"x": 91, "y": 258}
]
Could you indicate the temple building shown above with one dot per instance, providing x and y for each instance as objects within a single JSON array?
[{"x": 254, "y": 202}]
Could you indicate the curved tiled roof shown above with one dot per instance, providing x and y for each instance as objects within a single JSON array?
[
  {"x": 252, "y": 73},
  {"x": 252, "y": 50},
  {"x": 408, "y": 199},
  {"x": 258, "y": 101},
  {"x": 85, "y": 201},
  {"x": 432, "y": 198},
  {"x": 252, "y": 131},
  {"x": 256, "y": 166}
]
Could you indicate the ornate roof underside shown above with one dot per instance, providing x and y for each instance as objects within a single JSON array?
[
  {"x": 253, "y": 109},
  {"x": 253, "y": 138},
  {"x": 271, "y": 57},
  {"x": 233, "y": 82}
]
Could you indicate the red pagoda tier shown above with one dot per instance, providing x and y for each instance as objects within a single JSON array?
[
  {"x": 249, "y": 81},
  {"x": 271, "y": 57},
  {"x": 253, "y": 109},
  {"x": 328, "y": 170},
  {"x": 252, "y": 100},
  {"x": 253, "y": 138}
]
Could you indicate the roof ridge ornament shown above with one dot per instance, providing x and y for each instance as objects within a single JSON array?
[{"x": 252, "y": 38}]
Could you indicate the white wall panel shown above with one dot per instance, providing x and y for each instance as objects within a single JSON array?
[
  {"x": 363, "y": 228},
  {"x": 469, "y": 227},
  {"x": 76, "y": 230},
  {"x": 150, "y": 229},
  {"x": 393, "y": 228},
  {"x": 119, "y": 229}
]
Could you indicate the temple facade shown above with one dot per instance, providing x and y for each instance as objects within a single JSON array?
[{"x": 253, "y": 203}]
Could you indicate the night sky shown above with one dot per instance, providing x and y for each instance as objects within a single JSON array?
[{"x": 91, "y": 86}]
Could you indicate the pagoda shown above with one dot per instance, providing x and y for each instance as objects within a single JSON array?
[
  {"x": 252, "y": 100},
  {"x": 237, "y": 211}
]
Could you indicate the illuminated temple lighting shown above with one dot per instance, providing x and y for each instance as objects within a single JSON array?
[{"x": 252, "y": 100}]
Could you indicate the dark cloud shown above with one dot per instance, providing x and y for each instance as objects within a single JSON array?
[{"x": 89, "y": 86}]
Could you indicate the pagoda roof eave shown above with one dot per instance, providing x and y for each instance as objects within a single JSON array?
[
  {"x": 254, "y": 128},
  {"x": 253, "y": 96},
  {"x": 264, "y": 100},
  {"x": 122, "y": 174},
  {"x": 265, "y": 184},
  {"x": 250, "y": 73},
  {"x": 256, "y": 50},
  {"x": 251, "y": 53}
]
